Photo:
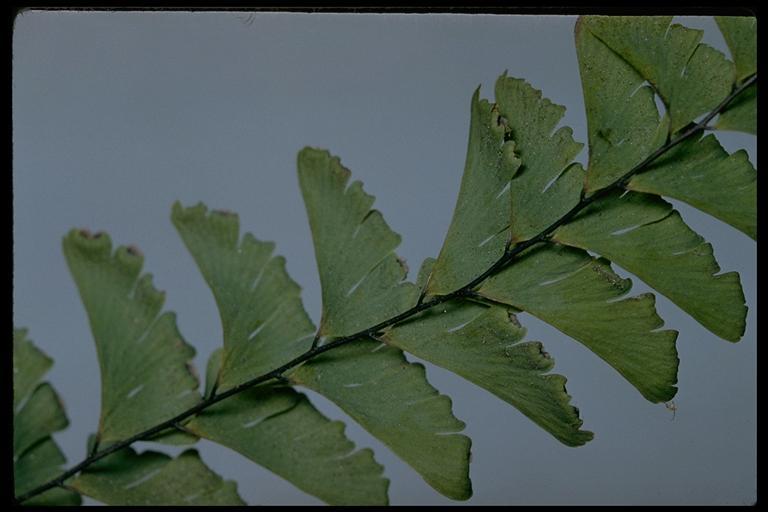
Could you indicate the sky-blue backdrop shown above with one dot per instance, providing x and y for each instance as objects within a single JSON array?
[{"x": 116, "y": 115}]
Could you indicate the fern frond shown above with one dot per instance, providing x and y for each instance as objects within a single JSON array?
[{"x": 37, "y": 413}]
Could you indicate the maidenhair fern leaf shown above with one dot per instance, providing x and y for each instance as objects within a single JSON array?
[
  {"x": 37, "y": 414},
  {"x": 40, "y": 416},
  {"x": 145, "y": 371},
  {"x": 691, "y": 78},
  {"x": 643, "y": 234},
  {"x": 39, "y": 464},
  {"x": 701, "y": 173},
  {"x": 361, "y": 278},
  {"x": 525, "y": 222},
  {"x": 623, "y": 123},
  {"x": 29, "y": 366},
  {"x": 281, "y": 430},
  {"x": 152, "y": 478},
  {"x": 580, "y": 295},
  {"x": 482, "y": 344},
  {"x": 477, "y": 236},
  {"x": 262, "y": 317},
  {"x": 741, "y": 114},
  {"x": 547, "y": 184},
  {"x": 740, "y": 33},
  {"x": 391, "y": 399}
]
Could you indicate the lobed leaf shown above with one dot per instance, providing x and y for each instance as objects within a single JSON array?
[
  {"x": 263, "y": 320},
  {"x": 152, "y": 478},
  {"x": 482, "y": 344},
  {"x": 623, "y": 124},
  {"x": 37, "y": 414},
  {"x": 145, "y": 370},
  {"x": 740, "y": 33},
  {"x": 477, "y": 237},
  {"x": 691, "y": 78},
  {"x": 361, "y": 277},
  {"x": 391, "y": 399},
  {"x": 701, "y": 173},
  {"x": 41, "y": 416},
  {"x": 39, "y": 464},
  {"x": 29, "y": 366},
  {"x": 579, "y": 295},
  {"x": 643, "y": 234},
  {"x": 280, "y": 429},
  {"x": 741, "y": 114},
  {"x": 547, "y": 183}
]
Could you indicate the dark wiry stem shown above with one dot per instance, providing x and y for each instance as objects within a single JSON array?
[{"x": 372, "y": 332}]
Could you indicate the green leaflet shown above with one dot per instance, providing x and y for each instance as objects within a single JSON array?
[
  {"x": 152, "y": 478},
  {"x": 38, "y": 413},
  {"x": 391, "y": 399},
  {"x": 741, "y": 113},
  {"x": 623, "y": 124},
  {"x": 279, "y": 429},
  {"x": 643, "y": 234},
  {"x": 701, "y": 173},
  {"x": 145, "y": 371},
  {"x": 482, "y": 344},
  {"x": 477, "y": 236},
  {"x": 38, "y": 465},
  {"x": 740, "y": 33},
  {"x": 29, "y": 366},
  {"x": 262, "y": 317},
  {"x": 360, "y": 274},
  {"x": 691, "y": 78},
  {"x": 578, "y": 294},
  {"x": 41, "y": 415},
  {"x": 546, "y": 185}
]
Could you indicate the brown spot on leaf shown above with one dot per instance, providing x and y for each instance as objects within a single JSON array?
[
  {"x": 612, "y": 278},
  {"x": 403, "y": 265},
  {"x": 513, "y": 319},
  {"x": 134, "y": 251},
  {"x": 193, "y": 371}
]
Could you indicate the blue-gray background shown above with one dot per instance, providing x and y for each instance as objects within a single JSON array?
[{"x": 116, "y": 115}]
